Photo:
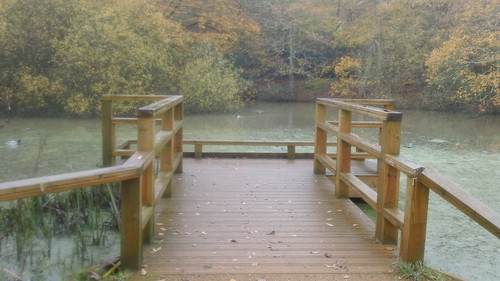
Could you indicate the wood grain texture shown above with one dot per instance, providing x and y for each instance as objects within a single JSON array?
[{"x": 234, "y": 216}]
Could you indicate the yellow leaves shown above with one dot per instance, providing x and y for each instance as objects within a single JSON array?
[{"x": 347, "y": 67}]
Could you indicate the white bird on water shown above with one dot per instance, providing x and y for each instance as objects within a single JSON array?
[{"x": 13, "y": 143}]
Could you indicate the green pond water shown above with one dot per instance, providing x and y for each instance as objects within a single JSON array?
[{"x": 463, "y": 147}]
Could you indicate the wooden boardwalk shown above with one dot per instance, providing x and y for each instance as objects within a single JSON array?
[{"x": 247, "y": 216}]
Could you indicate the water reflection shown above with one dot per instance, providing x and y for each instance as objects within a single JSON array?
[{"x": 465, "y": 148}]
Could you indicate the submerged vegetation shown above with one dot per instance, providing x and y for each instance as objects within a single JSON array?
[
  {"x": 33, "y": 230},
  {"x": 57, "y": 57}
]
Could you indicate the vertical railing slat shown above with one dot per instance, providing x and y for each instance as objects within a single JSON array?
[
  {"x": 107, "y": 135},
  {"x": 388, "y": 182},
  {"x": 320, "y": 141},
  {"x": 343, "y": 153},
  {"x": 415, "y": 222},
  {"x": 131, "y": 232}
]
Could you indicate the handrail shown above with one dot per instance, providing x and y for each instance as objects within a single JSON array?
[
  {"x": 139, "y": 188},
  {"x": 290, "y": 146},
  {"x": 69, "y": 181},
  {"x": 413, "y": 220}
]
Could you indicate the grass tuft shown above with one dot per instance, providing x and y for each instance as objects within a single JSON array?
[{"x": 417, "y": 271}]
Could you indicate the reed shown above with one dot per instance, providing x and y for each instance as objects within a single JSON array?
[{"x": 32, "y": 225}]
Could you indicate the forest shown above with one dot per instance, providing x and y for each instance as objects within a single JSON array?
[{"x": 57, "y": 57}]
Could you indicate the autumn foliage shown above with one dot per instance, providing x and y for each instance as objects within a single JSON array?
[{"x": 59, "y": 56}]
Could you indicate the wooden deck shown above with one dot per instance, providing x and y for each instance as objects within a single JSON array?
[{"x": 248, "y": 216}]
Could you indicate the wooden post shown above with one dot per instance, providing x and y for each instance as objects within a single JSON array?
[
  {"x": 198, "y": 151},
  {"x": 145, "y": 142},
  {"x": 178, "y": 137},
  {"x": 320, "y": 139},
  {"x": 343, "y": 153},
  {"x": 167, "y": 153},
  {"x": 290, "y": 152},
  {"x": 388, "y": 182},
  {"x": 107, "y": 136},
  {"x": 415, "y": 222},
  {"x": 131, "y": 232}
]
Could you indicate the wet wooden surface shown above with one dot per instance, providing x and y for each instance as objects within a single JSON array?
[{"x": 238, "y": 216}]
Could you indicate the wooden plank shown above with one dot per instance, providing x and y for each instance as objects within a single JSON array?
[
  {"x": 123, "y": 152},
  {"x": 374, "y": 112},
  {"x": 415, "y": 227},
  {"x": 133, "y": 97},
  {"x": 108, "y": 140},
  {"x": 395, "y": 216},
  {"x": 161, "y": 140},
  {"x": 388, "y": 186},
  {"x": 375, "y": 102},
  {"x": 250, "y": 143},
  {"x": 366, "y": 192},
  {"x": 365, "y": 145},
  {"x": 328, "y": 127},
  {"x": 462, "y": 200},
  {"x": 343, "y": 153},
  {"x": 245, "y": 216},
  {"x": 408, "y": 167},
  {"x": 163, "y": 180},
  {"x": 159, "y": 107},
  {"x": 63, "y": 182},
  {"x": 124, "y": 120},
  {"x": 359, "y": 124},
  {"x": 131, "y": 224},
  {"x": 328, "y": 162}
]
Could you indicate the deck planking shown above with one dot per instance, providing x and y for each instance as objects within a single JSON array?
[{"x": 260, "y": 216}]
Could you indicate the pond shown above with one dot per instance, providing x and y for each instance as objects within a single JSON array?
[{"x": 463, "y": 147}]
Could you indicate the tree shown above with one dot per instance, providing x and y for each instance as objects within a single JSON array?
[
  {"x": 295, "y": 36},
  {"x": 392, "y": 40},
  {"x": 465, "y": 70},
  {"x": 210, "y": 82},
  {"x": 116, "y": 50},
  {"x": 29, "y": 31}
]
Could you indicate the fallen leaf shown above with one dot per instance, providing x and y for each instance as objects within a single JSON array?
[
  {"x": 271, "y": 233},
  {"x": 329, "y": 224},
  {"x": 315, "y": 252},
  {"x": 143, "y": 272},
  {"x": 156, "y": 250},
  {"x": 347, "y": 277},
  {"x": 328, "y": 256}
]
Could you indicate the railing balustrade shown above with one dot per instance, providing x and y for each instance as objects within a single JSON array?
[
  {"x": 384, "y": 200},
  {"x": 140, "y": 189}
]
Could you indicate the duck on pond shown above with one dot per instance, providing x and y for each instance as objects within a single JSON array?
[{"x": 13, "y": 143}]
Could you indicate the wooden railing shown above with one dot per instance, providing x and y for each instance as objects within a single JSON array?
[
  {"x": 384, "y": 200},
  {"x": 291, "y": 149},
  {"x": 139, "y": 188}
]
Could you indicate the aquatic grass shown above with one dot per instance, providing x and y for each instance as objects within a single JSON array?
[
  {"x": 30, "y": 225},
  {"x": 417, "y": 271}
]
